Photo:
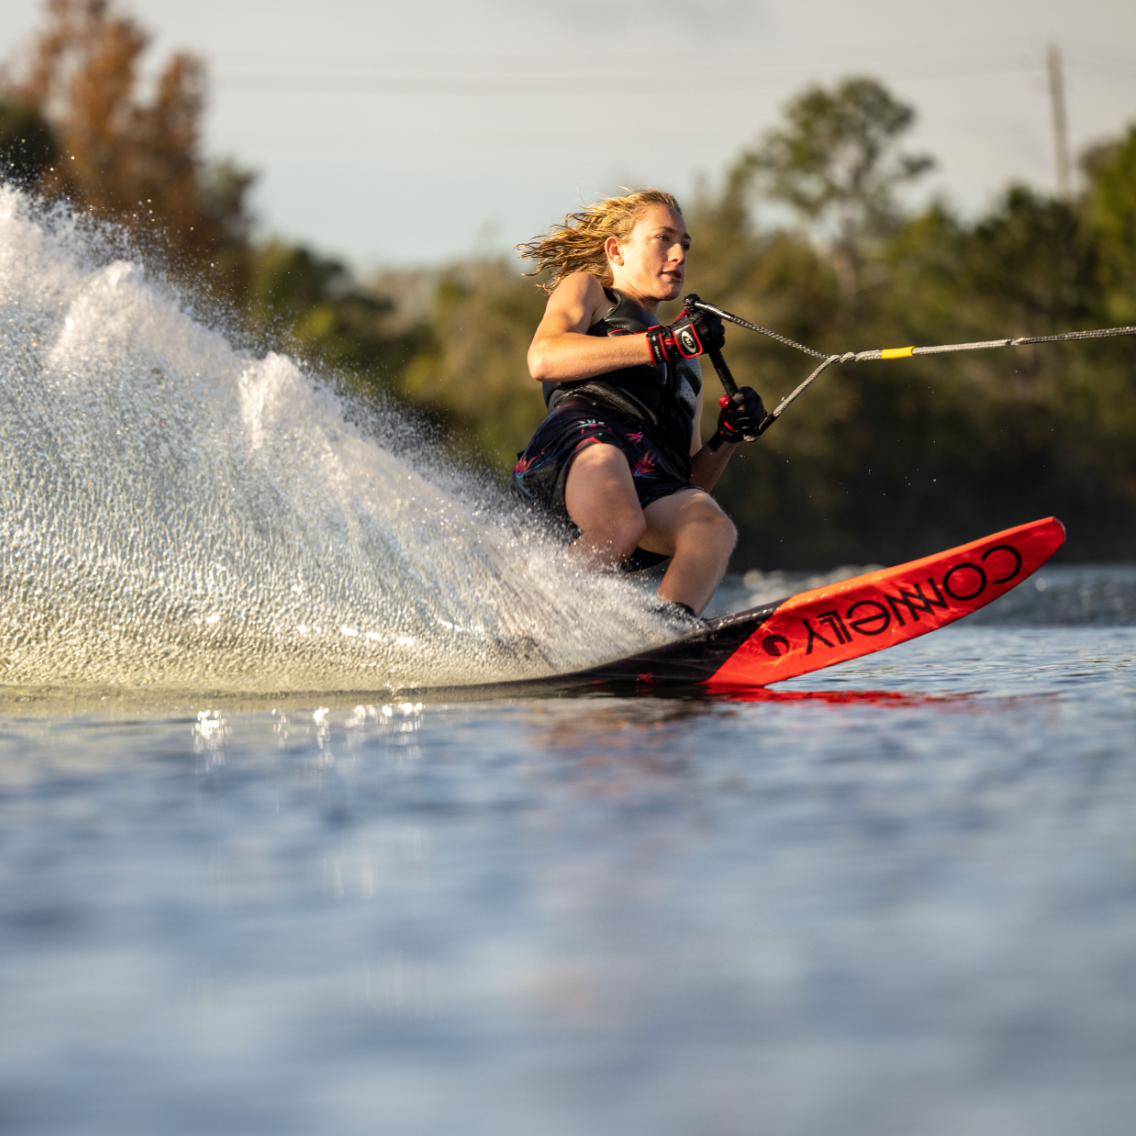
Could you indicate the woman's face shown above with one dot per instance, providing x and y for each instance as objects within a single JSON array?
[{"x": 651, "y": 262}]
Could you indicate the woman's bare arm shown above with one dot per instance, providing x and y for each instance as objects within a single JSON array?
[
  {"x": 706, "y": 465},
  {"x": 562, "y": 351}
]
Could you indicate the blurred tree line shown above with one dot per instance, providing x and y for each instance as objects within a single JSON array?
[
  {"x": 806, "y": 233},
  {"x": 75, "y": 127}
]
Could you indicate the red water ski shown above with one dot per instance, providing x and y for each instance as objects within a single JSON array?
[
  {"x": 845, "y": 620},
  {"x": 880, "y": 609}
]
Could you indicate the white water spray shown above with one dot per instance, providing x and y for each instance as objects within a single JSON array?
[{"x": 175, "y": 512}]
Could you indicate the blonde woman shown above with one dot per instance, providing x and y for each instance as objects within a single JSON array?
[{"x": 620, "y": 454}]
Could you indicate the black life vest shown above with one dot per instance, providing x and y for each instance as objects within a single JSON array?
[{"x": 661, "y": 399}]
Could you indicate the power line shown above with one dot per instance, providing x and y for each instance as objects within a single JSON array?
[
  {"x": 555, "y": 84},
  {"x": 462, "y": 83},
  {"x": 851, "y": 56}
]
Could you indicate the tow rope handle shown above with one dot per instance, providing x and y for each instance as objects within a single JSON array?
[
  {"x": 692, "y": 303},
  {"x": 731, "y": 389}
]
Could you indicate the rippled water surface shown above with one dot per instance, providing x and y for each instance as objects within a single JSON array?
[{"x": 895, "y": 897}]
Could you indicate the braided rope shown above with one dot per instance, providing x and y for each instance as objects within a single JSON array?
[
  {"x": 1064, "y": 337},
  {"x": 784, "y": 403},
  {"x": 896, "y": 352},
  {"x": 1099, "y": 333},
  {"x": 760, "y": 330}
]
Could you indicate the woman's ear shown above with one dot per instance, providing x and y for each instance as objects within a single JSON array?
[{"x": 612, "y": 251}]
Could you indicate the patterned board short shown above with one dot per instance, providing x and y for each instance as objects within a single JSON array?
[{"x": 541, "y": 474}]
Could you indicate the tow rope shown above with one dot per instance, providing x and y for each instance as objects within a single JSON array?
[{"x": 692, "y": 302}]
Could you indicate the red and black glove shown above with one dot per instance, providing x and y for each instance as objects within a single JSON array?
[
  {"x": 691, "y": 335},
  {"x": 740, "y": 418}
]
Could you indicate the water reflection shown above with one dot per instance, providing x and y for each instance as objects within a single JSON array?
[
  {"x": 810, "y": 912},
  {"x": 209, "y": 734},
  {"x": 835, "y": 697},
  {"x": 613, "y": 726}
]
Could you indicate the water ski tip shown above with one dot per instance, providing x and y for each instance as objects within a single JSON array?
[
  {"x": 848, "y": 619},
  {"x": 869, "y": 613}
]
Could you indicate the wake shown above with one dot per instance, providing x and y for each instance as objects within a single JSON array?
[{"x": 176, "y": 512}]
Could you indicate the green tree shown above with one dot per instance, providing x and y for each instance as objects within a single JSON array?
[
  {"x": 312, "y": 306},
  {"x": 28, "y": 145},
  {"x": 134, "y": 162},
  {"x": 75, "y": 127},
  {"x": 472, "y": 373},
  {"x": 886, "y": 460},
  {"x": 880, "y": 461},
  {"x": 1111, "y": 203},
  {"x": 836, "y": 163}
]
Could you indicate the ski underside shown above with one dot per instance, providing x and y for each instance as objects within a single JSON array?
[{"x": 840, "y": 621}]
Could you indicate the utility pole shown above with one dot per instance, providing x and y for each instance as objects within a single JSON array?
[{"x": 1060, "y": 123}]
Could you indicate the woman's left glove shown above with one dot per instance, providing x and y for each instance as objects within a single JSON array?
[
  {"x": 692, "y": 334},
  {"x": 740, "y": 418}
]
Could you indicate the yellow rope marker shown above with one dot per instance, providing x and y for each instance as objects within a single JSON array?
[{"x": 896, "y": 352}]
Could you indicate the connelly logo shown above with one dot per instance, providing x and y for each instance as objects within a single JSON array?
[
  {"x": 959, "y": 585},
  {"x": 689, "y": 341}
]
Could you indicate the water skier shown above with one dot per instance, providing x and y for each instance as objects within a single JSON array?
[{"x": 620, "y": 454}]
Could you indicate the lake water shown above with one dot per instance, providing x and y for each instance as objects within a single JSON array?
[{"x": 898, "y": 897}]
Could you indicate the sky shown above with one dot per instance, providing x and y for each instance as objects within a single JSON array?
[{"x": 395, "y": 134}]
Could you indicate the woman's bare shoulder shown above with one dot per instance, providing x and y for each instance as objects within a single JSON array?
[
  {"x": 582, "y": 294},
  {"x": 582, "y": 282}
]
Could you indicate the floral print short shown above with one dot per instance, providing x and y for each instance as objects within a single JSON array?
[{"x": 540, "y": 475}]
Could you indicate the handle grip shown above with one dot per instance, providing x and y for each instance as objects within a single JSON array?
[
  {"x": 692, "y": 302},
  {"x": 723, "y": 369},
  {"x": 729, "y": 386}
]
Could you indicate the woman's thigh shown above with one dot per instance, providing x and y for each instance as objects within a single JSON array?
[
  {"x": 668, "y": 516},
  {"x": 599, "y": 488}
]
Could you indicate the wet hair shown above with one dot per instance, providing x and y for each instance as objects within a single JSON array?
[{"x": 576, "y": 244}]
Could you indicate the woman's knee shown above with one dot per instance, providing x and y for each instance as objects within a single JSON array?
[
  {"x": 725, "y": 533},
  {"x": 634, "y": 528},
  {"x": 728, "y": 530},
  {"x": 710, "y": 527},
  {"x": 622, "y": 529}
]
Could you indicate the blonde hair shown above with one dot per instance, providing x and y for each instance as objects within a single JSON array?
[{"x": 576, "y": 244}]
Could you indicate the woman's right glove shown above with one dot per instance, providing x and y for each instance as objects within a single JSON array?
[
  {"x": 740, "y": 418},
  {"x": 692, "y": 334}
]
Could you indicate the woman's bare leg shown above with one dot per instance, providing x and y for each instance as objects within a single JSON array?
[
  {"x": 600, "y": 497},
  {"x": 691, "y": 527}
]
